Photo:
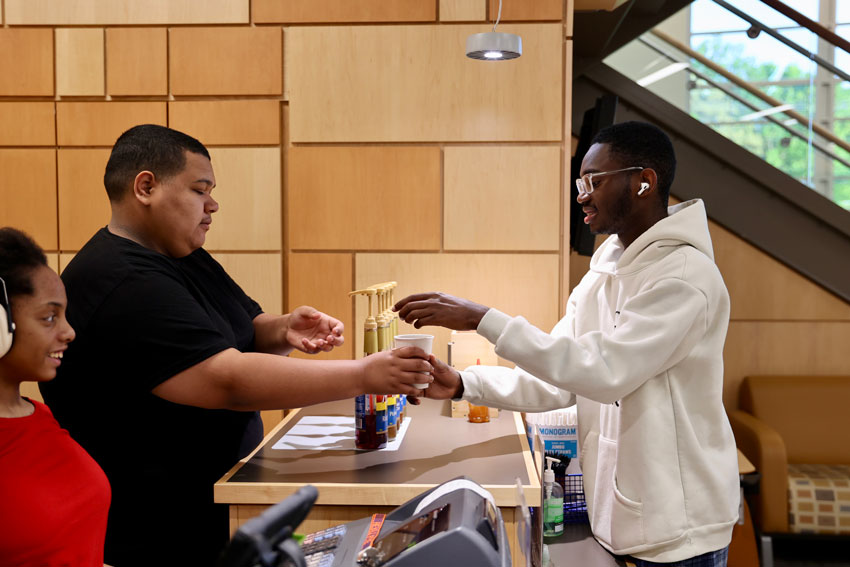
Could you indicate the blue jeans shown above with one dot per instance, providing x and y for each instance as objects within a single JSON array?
[{"x": 710, "y": 559}]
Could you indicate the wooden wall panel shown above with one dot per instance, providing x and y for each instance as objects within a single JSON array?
[
  {"x": 518, "y": 284},
  {"x": 26, "y": 62},
  {"x": 100, "y": 123},
  {"x": 787, "y": 347},
  {"x": 79, "y": 62},
  {"x": 567, "y": 181},
  {"x": 64, "y": 259},
  {"x": 413, "y": 83},
  {"x": 514, "y": 191},
  {"x": 338, "y": 11},
  {"x": 364, "y": 198},
  {"x": 27, "y": 124},
  {"x": 53, "y": 261},
  {"x": 323, "y": 281},
  {"x": 528, "y": 10},
  {"x": 228, "y": 122},
  {"x": 28, "y": 193},
  {"x": 762, "y": 288},
  {"x": 248, "y": 192},
  {"x": 83, "y": 204},
  {"x": 137, "y": 61},
  {"x": 463, "y": 10},
  {"x": 258, "y": 274},
  {"x": 118, "y": 12},
  {"x": 233, "y": 61}
]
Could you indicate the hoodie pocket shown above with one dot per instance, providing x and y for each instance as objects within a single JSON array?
[{"x": 617, "y": 519}]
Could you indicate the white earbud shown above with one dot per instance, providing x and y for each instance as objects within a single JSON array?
[{"x": 643, "y": 187}]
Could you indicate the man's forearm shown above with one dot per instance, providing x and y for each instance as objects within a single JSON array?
[
  {"x": 270, "y": 334},
  {"x": 258, "y": 381}
]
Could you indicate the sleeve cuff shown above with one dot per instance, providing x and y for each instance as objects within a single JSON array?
[
  {"x": 492, "y": 325},
  {"x": 471, "y": 386}
]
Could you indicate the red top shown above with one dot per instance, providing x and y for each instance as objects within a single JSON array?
[{"x": 54, "y": 497}]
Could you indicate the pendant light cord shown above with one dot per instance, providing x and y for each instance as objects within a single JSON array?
[{"x": 499, "y": 17}]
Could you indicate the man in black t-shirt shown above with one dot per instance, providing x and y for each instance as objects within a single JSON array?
[{"x": 173, "y": 360}]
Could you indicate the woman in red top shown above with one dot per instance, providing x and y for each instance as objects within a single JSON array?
[{"x": 54, "y": 498}]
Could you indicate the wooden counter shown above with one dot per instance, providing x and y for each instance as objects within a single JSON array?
[{"x": 356, "y": 484}]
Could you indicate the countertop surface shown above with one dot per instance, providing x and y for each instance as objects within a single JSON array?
[{"x": 436, "y": 448}]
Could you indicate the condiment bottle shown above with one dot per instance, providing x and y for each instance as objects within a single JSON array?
[
  {"x": 478, "y": 414},
  {"x": 392, "y": 417},
  {"x": 370, "y": 410}
]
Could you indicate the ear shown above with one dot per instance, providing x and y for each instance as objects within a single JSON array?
[
  {"x": 143, "y": 186},
  {"x": 648, "y": 181}
]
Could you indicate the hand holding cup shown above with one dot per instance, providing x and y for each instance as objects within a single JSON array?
[{"x": 425, "y": 342}]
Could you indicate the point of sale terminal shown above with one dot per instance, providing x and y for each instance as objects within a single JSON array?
[{"x": 455, "y": 523}]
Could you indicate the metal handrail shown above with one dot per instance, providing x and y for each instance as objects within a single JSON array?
[
  {"x": 809, "y": 24},
  {"x": 778, "y": 36},
  {"x": 819, "y": 130},
  {"x": 748, "y": 104}
]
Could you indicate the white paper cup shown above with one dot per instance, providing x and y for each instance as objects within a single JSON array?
[{"x": 425, "y": 342}]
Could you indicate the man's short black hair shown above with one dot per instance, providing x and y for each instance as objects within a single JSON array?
[
  {"x": 645, "y": 145},
  {"x": 147, "y": 147},
  {"x": 19, "y": 256}
]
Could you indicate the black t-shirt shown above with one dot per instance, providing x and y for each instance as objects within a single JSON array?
[{"x": 141, "y": 318}]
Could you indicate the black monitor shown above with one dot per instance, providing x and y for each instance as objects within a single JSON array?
[
  {"x": 267, "y": 539},
  {"x": 594, "y": 120}
]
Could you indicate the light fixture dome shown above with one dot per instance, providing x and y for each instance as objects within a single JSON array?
[{"x": 493, "y": 46}]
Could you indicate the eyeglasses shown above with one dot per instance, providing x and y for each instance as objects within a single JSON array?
[{"x": 584, "y": 184}]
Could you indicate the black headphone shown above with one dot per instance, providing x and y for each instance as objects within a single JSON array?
[{"x": 7, "y": 327}]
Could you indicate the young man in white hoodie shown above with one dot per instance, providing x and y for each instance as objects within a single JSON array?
[{"x": 640, "y": 353}]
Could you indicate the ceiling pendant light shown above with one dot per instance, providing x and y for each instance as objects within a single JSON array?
[{"x": 494, "y": 46}]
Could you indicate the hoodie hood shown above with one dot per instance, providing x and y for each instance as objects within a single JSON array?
[{"x": 686, "y": 224}]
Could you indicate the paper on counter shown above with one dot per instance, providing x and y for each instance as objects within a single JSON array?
[{"x": 329, "y": 432}]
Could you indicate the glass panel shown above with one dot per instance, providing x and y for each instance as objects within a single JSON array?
[
  {"x": 710, "y": 17},
  {"x": 842, "y": 58},
  {"x": 784, "y": 133}
]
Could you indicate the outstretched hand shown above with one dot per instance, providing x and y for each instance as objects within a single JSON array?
[
  {"x": 439, "y": 309},
  {"x": 447, "y": 383},
  {"x": 312, "y": 331}
]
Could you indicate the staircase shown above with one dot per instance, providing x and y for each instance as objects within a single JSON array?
[{"x": 743, "y": 193}]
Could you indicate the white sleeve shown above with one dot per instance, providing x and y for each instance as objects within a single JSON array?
[
  {"x": 655, "y": 329},
  {"x": 511, "y": 389}
]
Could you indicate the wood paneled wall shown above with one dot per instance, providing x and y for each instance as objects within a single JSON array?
[
  {"x": 781, "y": 322},
  {"x": 353, "y": 142}
]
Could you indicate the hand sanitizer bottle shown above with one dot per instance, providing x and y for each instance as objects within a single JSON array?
[{"x": 553, "y": 502}]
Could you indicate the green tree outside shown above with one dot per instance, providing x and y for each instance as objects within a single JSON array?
[{"x": 765, "y": 139}]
